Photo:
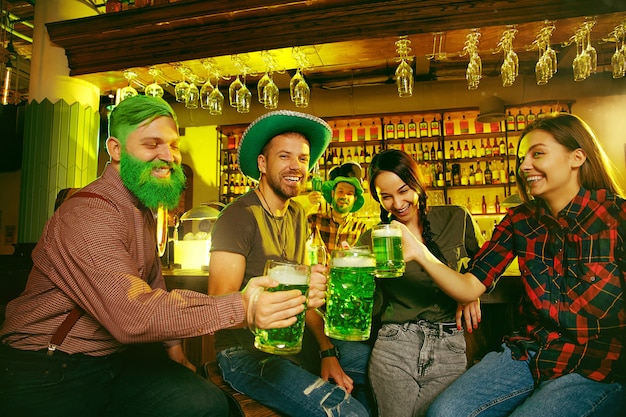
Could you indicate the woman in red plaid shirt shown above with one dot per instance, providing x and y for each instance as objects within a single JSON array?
[{"x": 568, "y": 358}]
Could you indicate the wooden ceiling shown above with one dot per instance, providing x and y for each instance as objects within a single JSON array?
[{"x": 346, "y": 42}]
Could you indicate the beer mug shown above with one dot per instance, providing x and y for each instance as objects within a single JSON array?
[
  {"x": 387, "y": 244},
  {"x": 287, "y": 340},
  {"x": 350, "y": 294}
]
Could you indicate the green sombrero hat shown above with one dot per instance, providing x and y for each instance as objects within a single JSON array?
[
  {"x": 329, "y": 186},
  {"x": 271, "y": 124}
]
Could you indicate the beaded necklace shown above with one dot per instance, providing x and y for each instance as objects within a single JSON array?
[{"x": 279, "y": 230}]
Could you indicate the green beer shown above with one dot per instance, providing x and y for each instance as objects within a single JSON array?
[
  {"x": 387, "y": 243},
  {"x": 350, "y": 295},
  {"x": 287, "y": 340}
]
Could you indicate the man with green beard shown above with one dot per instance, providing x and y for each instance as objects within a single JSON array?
[
  {"x": 96, "y": 288},
  {"x": 344, "y": 193}
]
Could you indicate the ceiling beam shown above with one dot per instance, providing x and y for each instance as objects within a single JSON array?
[{"x": 198, "y": 29}]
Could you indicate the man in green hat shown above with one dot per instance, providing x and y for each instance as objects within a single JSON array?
[
  {"x": 344, "y": 193},
  {"x": 278, "y": 149}
]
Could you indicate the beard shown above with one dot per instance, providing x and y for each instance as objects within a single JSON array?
[
  {"x": 342, "y": 208},
  {"x": 284, "y": 191},
  {"x": 152, "y": 191}
]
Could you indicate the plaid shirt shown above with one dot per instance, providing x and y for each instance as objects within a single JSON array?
[
  {"x": 573, "y": 269},
  {"x": 334, "y": 233}
]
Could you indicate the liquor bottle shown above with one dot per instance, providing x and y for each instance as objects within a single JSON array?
[
  {"x": 456, "y": 174},
  {"x": 502, "y": 147},
  {"x": 466, "y": 151},
  {"x": 426, "y": 153},
  {"x": 433, "y": 155},
  {"x": 440, "y": 179},
  {"x": 464, "y": 125},
  {"x": 473, "y": 151},
  {"x": 449, "y": 127},
  {"x": 113, "y": 6},
  {"x": 510, "y": 122},
  {"x": 231, "y": 188},
  {"x": 495, "y": 148},
  {"x": 335, "y": 157},
  {"x": 349, "y": 155},
  {"x": 481, "y": 150},
  {"x": 484, "y": 206},
  {"x": 419, "y": 153},
  {"x": 439, "y": 151},
  {"x": 373, "y": 131},
  {"x": 520, "y": 121},
  {"x": 368, "y": 156},
  {"x": 448, "y": 175},
  {"x": 495, "y": 175},
  {"x": 434, "y": 127},
  {"x": 541, "y": 114},
  {"x": 458, "y": 154},
  {"x": 412, "y": 129},
  {"x": 503, "y": 175},
  {"x": 488, "y": 149},
  {"x": 390, "y": 131},
  {"x": 511, "y": 149},
  {"x": 401, "y": 130},
  {"x": 488, "y": 176},
  {"x": 335, "y": 137},
  {"x": 479, "y": 174},
  {"x": 530, "y": 117},
  {"x": 362, "y": 156},
  {"x": 497, "y": 205},
  {"x": 341, "y": 159},
  {"x": 479, "y": 127},
  {"x": 225, "y": 188},
  {"x": 464, "y": 177},
  {"x": 360, "y": 132},
  {"x": 347, "y": 133},
  {"x": 472, "y": 176},
  {"x": 494, "y": 126},
  {"x": 423, "y": 126},
  {"x": 451, "y": 151},
  {"x": 511, "y": 177}
]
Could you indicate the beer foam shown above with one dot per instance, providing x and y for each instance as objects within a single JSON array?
[
  {"x": 387, "y": 232},
  {"x": 354, "y": 262},
  {"x": 288, "y": 275}
]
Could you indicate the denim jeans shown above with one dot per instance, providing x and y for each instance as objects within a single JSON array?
[
  {"x": 285, "y": 386},
  {"x": 411, "y": 364},
  {"x": 33, "y": 384},
  {"x": 501, "y": 386}
]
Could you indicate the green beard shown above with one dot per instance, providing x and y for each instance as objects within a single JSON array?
[{"x": 151, "y": 191}]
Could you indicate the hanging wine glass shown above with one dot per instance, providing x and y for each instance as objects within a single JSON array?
[
  {"x": 205, "y": 92},
  {"x": 270, "y": 95},
  {"x": 244, "y": 97},
  {"x": 293, "y": 83},
  {"x": 129, "y": 90},
  {"x": 232, "y": 91},
  {"x": 193, "y": 94},
  {"x": 404, "y": 79},
  {"x": 618, "y": 60},
  {"x": 180, "y": 91},
  {"x": 591, "y": 52},
  {"x": 154, "y": 89},
  {"x": 302, "y": 92},
  {"x": 263, "y": 82},
  {"x": 216, "y": 100}
]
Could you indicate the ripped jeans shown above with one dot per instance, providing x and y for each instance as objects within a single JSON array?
[{"x": 285, "y": 386}]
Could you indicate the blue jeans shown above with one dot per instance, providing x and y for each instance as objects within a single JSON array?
[
  {"x": 33, "y": 384},
  {"x": 501, "y": 386},
  {"x": 285, "y": 386},
  {"x": 411, "y": 364}
]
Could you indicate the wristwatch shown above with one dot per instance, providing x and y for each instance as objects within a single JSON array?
[{"x": 333, "y": 351}]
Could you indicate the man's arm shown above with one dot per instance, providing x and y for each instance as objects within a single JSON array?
[{"x": 226, "y": 271}]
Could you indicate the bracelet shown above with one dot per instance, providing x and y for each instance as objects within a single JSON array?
[
  {"x": 328, "y": 353},
  {"x": 251, "y": 316}
]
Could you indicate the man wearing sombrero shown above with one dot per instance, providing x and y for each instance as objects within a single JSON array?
[
  {"x": 278, "y": 149},
  {"x": 344, "y": 193}
]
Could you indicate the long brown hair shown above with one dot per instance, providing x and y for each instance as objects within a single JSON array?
[
  {"x": 401, "y": 164},
  {"x": 573, "y": 133}
]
